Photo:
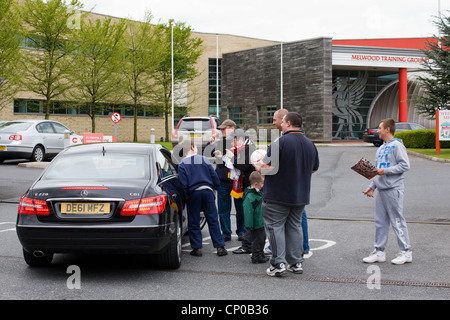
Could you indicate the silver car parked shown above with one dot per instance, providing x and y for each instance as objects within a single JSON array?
[{"x": 35, "y": 140}]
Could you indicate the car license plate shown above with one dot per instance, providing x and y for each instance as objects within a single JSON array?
[
  {"x": 193, "y": 136},
  {"x": 85, "y": 208},
  {"x": 2, "y": 148}
]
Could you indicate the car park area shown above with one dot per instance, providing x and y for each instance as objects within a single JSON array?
[{"x": 341, "y": 233}]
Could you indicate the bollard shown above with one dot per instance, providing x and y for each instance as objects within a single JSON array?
[
  {"x": 66, "y": 138},
  {"x": 152, "y": 136}
]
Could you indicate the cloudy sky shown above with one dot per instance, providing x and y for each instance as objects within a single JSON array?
[{"x": 288, "y": 20}]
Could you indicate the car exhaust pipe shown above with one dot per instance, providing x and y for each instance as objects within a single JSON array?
[{"x": 38, "y": 254}]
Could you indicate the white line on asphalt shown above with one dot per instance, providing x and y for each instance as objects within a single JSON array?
[{"x": 328, "y": 244}]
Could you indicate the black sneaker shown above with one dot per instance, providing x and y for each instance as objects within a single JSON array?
[
  {"x": 260, "y": 260},
  {"x": 241, "y": 250},
  {"x": 196, "y": 252},
  {"x": 222, "y": 251}
]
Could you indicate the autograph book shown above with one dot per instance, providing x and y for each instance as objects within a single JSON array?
[{"x": 365, "y": 168}]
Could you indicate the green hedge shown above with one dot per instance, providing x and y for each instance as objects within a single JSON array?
[{"x": 421, "y": 139}]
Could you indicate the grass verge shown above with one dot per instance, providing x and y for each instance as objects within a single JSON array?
[{"x": 445, "y": 153}]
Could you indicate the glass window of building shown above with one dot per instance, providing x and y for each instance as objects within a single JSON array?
[
  {"x": 215, "y": 92},
  {"x": 265, "y": 114},
  {"x": 235, "y": 114}
]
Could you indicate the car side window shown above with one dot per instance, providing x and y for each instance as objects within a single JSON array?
[
  {"x": 45, "y": 127},
  {"x": 416, "y": 126},
  {"x": 59, "y": 128},
  {"x": 165, "y": 165}
]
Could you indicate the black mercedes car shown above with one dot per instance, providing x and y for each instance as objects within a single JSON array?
[{"x": 105, "y": 198}]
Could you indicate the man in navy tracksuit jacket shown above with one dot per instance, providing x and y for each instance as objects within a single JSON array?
[
  {"x": 199, "y": 181},
  {"x": 288, "y": 167}
]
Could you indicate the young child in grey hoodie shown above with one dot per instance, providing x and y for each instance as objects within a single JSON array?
[{"x": 391, "y": 162}]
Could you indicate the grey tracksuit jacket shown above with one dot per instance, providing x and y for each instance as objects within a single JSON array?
[{"x": 393, "y": 158}]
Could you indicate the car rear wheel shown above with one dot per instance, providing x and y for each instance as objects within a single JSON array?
[
  {"x": 171, "y": 257},
  {"x": 38, "y": 154},
  {"x": 37, "y": 261}
]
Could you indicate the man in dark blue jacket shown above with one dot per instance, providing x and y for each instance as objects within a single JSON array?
[
  {"x": 199, "y": 181},
  {"x": 288, "y": 167}
]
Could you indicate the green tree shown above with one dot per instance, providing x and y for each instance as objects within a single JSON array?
[
  {"x": 146, "y": 46},
  {"x": 437, "y": 83},
  {"x": 9, "y": 50},
  {"x": 99, "y": 51},
  {"x": 186, "y": 51},
  {"x": 47, "y": 28}
]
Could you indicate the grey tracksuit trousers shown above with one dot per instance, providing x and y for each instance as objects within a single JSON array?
[
  {"x": 389, "y": 211},
  {"x": 283, "y": 225}
]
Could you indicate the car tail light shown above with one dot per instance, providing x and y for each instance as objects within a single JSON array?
[
  {"x": 215, "y": 133},
  {"x": 175, "y": 134},
  {"x": 372, "y": 131},
  {"x": 15, "y": 137},
  {"x": 152, "y": 205},
  {"x": 175, "y": 131},
  {"x": 33, "y": 207}
]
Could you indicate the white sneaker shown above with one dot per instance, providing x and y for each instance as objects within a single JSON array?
[
  {"x": 268, "y": 251},
  {"x": 296, "y": 268},
  {"x": 403, "y": 257},
  {"x": 276, "y": 271},
  {"x": 375, "y": 256}
]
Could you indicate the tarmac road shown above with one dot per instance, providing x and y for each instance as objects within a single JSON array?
[{"x": 341, "y": 232}]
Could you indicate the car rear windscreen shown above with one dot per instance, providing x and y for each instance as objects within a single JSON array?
[
  {"x": 195, "y": 125},
  {"x": 99, "y": 167},
  {"x": 14, "y": 126}
]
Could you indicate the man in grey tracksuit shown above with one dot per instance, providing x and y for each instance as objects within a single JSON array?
[{"x": 391, "y": 162}]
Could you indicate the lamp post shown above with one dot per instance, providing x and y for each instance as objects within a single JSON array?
[{"x": 173, "y": 106}]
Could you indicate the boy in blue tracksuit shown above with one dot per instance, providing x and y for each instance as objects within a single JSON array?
[
  {"x": 199, "y": 181},
  {"x": 391, "y": 162}
]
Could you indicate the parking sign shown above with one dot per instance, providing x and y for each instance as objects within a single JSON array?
[{"x": 116, "y": 117}]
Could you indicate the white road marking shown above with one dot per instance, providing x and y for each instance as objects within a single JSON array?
[
  {"x": 6, "y": 230},
  {"x": 12, "y": 229}
]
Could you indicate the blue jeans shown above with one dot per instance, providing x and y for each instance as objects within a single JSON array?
[
  {"x": 203, "y": 200},
  {"x": 224, "y": 208},
  {"x": 305, "y": 231}
]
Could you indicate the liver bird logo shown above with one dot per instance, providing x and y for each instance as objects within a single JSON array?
[{"x": 347, "y": 97}]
